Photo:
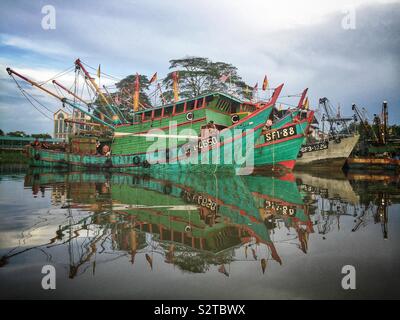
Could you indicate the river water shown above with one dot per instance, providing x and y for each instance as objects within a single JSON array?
[{"x": 112, "y": 236}]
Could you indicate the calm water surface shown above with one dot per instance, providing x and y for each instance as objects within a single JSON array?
[{"x": 198, "y": 236}]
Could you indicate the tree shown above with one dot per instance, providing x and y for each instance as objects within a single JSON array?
[
  {"x": 41, "y": 135},
  {"x": 17, "y": 134},
  {"x": 1, "y": 132},
  {"x": 199, "y": 75}
]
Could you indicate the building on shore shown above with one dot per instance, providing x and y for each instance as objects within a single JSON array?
[
  {"x": 61, "y": 129},
  {"x": 66, "y": 123}
]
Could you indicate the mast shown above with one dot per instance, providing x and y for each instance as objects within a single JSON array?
[
  {"x": 75, "y": 96},
  {"x": 112, "y": 106},
  {"x": 80, "y": 66},
  {"x": 331, "y": 118},
  {"x": 63, "y": 100},
  {"x": 385, "y": 121},
  {"x": 175, "y": 78},
  {"x": 363, "y": 122},
  {"x": 79, "y": 98},
  {"x": 92, "y": 81}
]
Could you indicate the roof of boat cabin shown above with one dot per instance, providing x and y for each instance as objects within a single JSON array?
[{"x": 217, "y": 93}]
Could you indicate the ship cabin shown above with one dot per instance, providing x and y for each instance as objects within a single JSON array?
[{"x": 218, "y": 110}]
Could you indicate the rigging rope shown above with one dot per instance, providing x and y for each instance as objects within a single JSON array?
[
  {"x": 26, "y": 94},
  {"x": 58, "y": 75}
]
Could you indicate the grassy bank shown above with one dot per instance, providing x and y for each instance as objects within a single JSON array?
[{"x": 12, "y": 157}]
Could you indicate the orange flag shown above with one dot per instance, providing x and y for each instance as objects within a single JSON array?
[
  {"x": 175, "y": 78},
  {"x": 306, "y": 104},
  {"x": 136, "y": 94},
  {"x": 263, "y": 265},
  {"x": 265, "y": 83}
]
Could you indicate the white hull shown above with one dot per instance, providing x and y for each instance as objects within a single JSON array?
[{"x": 335, "y": 155}]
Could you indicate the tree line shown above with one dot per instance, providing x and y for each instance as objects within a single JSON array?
[{"x": 22, "y": 134}]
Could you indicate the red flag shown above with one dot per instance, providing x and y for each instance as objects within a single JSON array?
[
  {"x": 255, "y": 87},
  {"x": 153, "y": 78},
  {"x": 224, "y": 77},
  {"x": 265, "y": 83}
]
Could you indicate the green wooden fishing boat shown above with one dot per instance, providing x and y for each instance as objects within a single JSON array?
[{"x": 236, "y": 126}]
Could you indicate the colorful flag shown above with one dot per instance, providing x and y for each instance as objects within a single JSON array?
[
  {"x": 224, "y": 77},
  {"x": 255, "y": 88},
  {"x": 265, "y": 83},
  {"x": 153, "y": 78},
  {"x": 136, "y": 93},
  {"x": 306, "y": 104},
  {"x": 98, "y": 72},
  {"x": 263, "y": 265},
  {"x": 175, "y": 77}
]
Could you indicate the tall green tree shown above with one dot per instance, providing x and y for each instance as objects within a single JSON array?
[{"x": 198, "y": 75}]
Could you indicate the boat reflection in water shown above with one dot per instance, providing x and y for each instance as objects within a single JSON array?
[
  {"x": 366, "y": 198},
  {"x": 197, "y": 223}
]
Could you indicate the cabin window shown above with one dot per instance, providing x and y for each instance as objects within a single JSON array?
[
  {"x": 207, "y": 100},
  {"x": 147, "y": 115},
  {"x": 190, "y": 105},
  {"x": 224, "y": 105},
  {"x": 157, "y": 113},
  {"x": 179, "y": 108},
  {"x": 235, "y": 107},
  {"x": 168, "y": 111}
]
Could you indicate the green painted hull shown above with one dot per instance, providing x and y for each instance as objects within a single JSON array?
[
  {"x": 211, "y": 160},
  {"x": 281, "y": 153}
]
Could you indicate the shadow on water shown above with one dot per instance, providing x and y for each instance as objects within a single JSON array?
[{"x": 199, "y": 224}]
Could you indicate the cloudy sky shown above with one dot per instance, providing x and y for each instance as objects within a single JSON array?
[{"x": 300, "y": 43}]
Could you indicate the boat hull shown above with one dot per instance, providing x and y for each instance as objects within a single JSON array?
[
  {"x": 212, "y": 158},
  {"x": 281, "y": 153},
  {"x": 332, "y": 155}
]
